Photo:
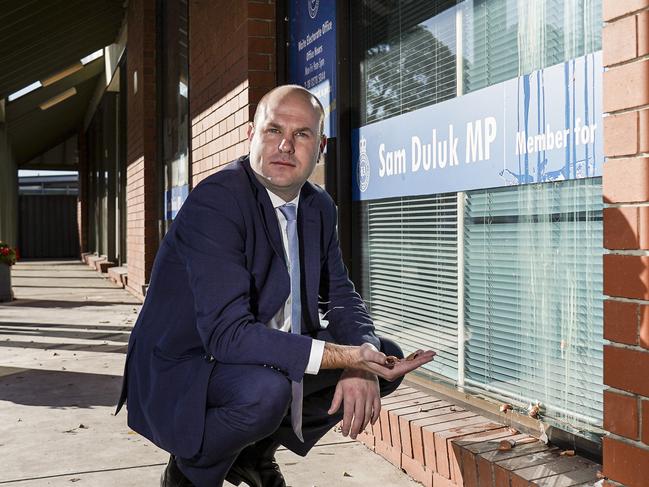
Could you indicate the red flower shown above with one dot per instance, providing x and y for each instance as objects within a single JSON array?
[{"x": 4, "y": 250}]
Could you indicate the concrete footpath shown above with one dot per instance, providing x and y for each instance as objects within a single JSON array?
[{"x": 62, "y": 350}]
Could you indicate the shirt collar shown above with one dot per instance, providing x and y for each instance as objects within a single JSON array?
[{"x": 277, "y": 201}]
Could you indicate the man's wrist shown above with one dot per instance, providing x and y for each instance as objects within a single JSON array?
[
  {"x": 359, "y": 373},
  {"x": 339, "y": 356},
  {"x": 372, "y": 345}
]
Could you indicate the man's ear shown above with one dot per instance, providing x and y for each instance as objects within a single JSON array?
[{"x": 251, "y": 130}]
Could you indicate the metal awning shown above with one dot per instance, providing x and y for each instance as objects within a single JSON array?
[{"x": 38, "y": 40}]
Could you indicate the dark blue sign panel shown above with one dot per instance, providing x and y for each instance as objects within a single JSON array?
[
  {"x": 312, "y": 53},
  {"x": 541, "y": 127}
]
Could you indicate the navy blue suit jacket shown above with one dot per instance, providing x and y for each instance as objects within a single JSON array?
[{"x": 218, "y": 278}]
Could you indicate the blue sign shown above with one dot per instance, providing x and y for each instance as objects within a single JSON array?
[
  {"x": 175, "y": 199},
  {"x": 312, "y": 53},
  {"x": 541, "y": 127}
]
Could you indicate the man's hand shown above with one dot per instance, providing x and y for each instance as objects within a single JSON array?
[
  {"x": 390, "y": 368},
  {"x": 368, "y": 359},
  {"x": 358, "y": 391}
]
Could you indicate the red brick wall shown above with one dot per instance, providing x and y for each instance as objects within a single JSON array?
[
  {"x": 141, "y": 176},
  {"x": 232, "y": 64},
  {"x": 626, "y": 235}
]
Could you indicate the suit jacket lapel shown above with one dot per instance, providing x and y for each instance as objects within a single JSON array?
[
  {"x": 267, "y": 212},
  {"x": 309, "y": 235},
  {"x": 269, "y": 217}
]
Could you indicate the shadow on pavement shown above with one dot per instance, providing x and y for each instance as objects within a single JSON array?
[
  {"x": 20, "y": 275},
  {"x": 56, "y": 262},
  {"x": 53, "y": 304},
  {"x": 60, "y": 389},
  {"x": 65, "y": 346},
  {"x": 63, "y": 286},
  {"x": 17, "y": 324},
  {"x": 85, "y": 335}
]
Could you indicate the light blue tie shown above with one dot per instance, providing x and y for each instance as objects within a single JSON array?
[{"x": 289, "y": 211}]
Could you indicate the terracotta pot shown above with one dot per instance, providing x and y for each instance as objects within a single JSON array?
[{"x": 5, "y": 282}]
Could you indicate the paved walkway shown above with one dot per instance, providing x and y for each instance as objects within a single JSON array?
[{"x": 62, "y": 345}]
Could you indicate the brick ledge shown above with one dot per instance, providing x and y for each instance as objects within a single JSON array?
[{"x": 442, "y": 444}]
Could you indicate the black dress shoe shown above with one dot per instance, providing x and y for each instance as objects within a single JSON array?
[
  {"x": 269, "y": 472},
  {"x": 173, "y": 477},
  {"x": 256, "y": 466},
  {"x": 271, "y": 475},
  {"x": 243, "y": 472}
]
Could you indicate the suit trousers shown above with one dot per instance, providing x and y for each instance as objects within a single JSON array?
[{"x": 247, "y": 403}]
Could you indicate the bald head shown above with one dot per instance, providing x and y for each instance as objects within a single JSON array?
[
  {"x": 286, "y": 139},
  {"x": 277, "y": 95}
]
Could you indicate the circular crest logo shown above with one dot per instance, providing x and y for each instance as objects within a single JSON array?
[
  {"x": 363, "y": 166},
  {"x": 313, "y": 7}
]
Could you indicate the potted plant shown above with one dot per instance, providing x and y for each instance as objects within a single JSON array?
[{"x": 7, "y": 259}]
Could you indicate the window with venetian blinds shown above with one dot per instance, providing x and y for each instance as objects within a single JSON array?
[
  {"x": 532, "y": 255},
  {"x": 410, "y": 250},
  {"x": 533, "y": 296}
]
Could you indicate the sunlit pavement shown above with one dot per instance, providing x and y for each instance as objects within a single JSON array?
[{"x": 62, "y": 346}]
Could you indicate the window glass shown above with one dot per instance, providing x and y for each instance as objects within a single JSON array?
[
  {"x": 528, "y": 257},
  {"x": 410, "y": 274},
  {"x": 174, "y": 105},
  {"x": 407, "y": 55},
  {"x": 533, "y": 296},
  {"x": 503, "y": 39}
]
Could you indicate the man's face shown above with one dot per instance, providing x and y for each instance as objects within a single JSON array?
[{"x": 285, "y": 143}]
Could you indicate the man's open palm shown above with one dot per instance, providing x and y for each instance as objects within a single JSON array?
[{"x": 377, "y": 362}]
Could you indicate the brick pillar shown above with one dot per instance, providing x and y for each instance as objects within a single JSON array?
[
  {"x": 232, "y": 65},
  {"x": 142, "y": 185},
  {"x": 626, "y": 235}
]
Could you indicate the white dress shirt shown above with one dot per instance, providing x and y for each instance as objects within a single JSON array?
[{"x": 282, "y": 320}]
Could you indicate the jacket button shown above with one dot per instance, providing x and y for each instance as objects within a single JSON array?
[{"x": 209, "y": 358}]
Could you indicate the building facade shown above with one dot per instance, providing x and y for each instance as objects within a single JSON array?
[{"x": 487, "y": 157}]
